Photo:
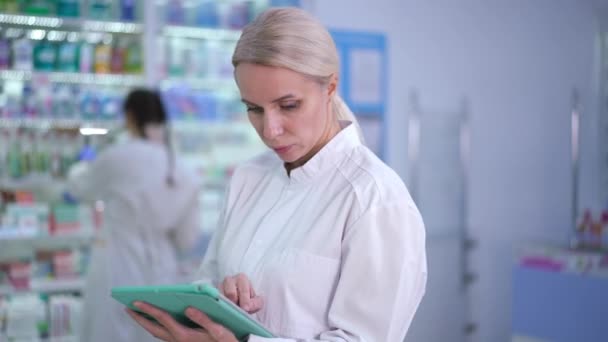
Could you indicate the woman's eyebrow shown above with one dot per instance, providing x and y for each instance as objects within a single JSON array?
[
  {"x": 285, "y": 97},
  {"x": 282, "y": 98}
]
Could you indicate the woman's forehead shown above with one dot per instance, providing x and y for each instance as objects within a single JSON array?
[{"x": 260, "y": 83}]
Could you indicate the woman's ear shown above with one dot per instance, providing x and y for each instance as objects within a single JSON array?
[{"x": 332, "y": 86}]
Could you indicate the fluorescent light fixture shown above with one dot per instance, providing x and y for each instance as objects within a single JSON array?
[{"x": 93, "y": 131}]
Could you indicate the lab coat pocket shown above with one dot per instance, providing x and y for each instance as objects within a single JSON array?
[{"x": 310, "y": 282}]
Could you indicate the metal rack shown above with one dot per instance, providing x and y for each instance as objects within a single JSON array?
[{"x": 438, "y": 175}]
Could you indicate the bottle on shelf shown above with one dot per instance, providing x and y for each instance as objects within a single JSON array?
[
  {"x": 103, "y": 57},
  {"x": 238, "y": 15},
  {"x": 23, "y": 52},
  {"x": 582, "y": 230},
  {"x": 67, "y": 57},
  {"x": 42, "y": 154},
  {"x": 40, "y": 7},
  {"x": 29, "y": 105},
  {"x": 12, "y": 93},
  {"x": 68, "y": 8},
  {"x": 55, "y": 155},
  {"x": 175, "y": 12},
  {"x": 45, "y": 56},
  {"x": 127, "y": 10},
  {"x": 119, "y": 56},
  {"x": 595, "y": 234},
  {"x": 134, "y": 58},
  {"x": 90, "y": 106},
  {"x": 11, "y": 6},
  {"x": 207, "y": 14},
  {"x": 27, "y": 152},
  {"x": 604, "y": 229},
  {"x": 44, "y": 100},
  {"x": 5, "y": 52},
  {"x": 64, "y": 102},
  {"x": 5, "y": 144},
  {"x": 14, "y": 156},
  {"x": 101, "y": 9},
  {"x": 176, "y": 57},
  {"x": 86, "y": 57}
]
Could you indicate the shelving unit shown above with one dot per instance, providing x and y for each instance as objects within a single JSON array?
[
  {"x": 70, "y": 24},
  {"x": 228, "y": 142},
  {"x": 48, "y": 286},
  {"x": 117, "y": 80},
  {"x": 201, "y": 33},
  {"x": 220, "y": 143},
  {"x": 24, "y": 247},
  {"x": 218, "y": 85}
]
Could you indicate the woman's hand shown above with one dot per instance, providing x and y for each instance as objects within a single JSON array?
[
  {"x": 167, "y": 329},
  {"x": 239, "y": 290}
]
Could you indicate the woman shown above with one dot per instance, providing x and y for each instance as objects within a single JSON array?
[
  {"x": 151, "y": 212},
  {"x": 319, "y": 238}
]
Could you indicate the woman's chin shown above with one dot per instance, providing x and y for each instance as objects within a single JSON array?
[{"x": 287, "y": 154}]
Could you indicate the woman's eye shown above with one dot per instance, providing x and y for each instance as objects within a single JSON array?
[
  {"x": 256, "y": 110},
  {"x": 290, "y": 106}
]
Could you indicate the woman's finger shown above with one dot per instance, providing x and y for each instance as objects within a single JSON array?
[
  {"x": 154, "y": 329},
  {"x": 252, "y": 291},
  {"x": 244, "y": 290},
  {"x": 256, "y": 304},
  {"x": 217, "y": 331},
  {"x": 230, "y": 290},
  {"x": 162, "y": 317}
]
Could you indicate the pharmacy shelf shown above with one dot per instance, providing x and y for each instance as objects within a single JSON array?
[
  {"x": 220, "y": 85},
  {"x": 57, "y": 285},
  {"x": 47, "y": 286},
  {"x": 41, "y": 123},
  {"x": 49, "y": 339},
  {"x": 24, "y": 248},
  {"x": 32, "y": 182},
  {"x": 201, "y": 33},
  {"x": 70, "y": 24},
  {"x": 73, "y": 78}
]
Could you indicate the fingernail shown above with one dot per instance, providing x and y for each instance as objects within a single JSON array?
[
  {"x": 137, "y": 305},
  {"x": 190, "y": 311}
]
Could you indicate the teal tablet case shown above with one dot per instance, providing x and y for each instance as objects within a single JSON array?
[{"x": 175, "y": 299}]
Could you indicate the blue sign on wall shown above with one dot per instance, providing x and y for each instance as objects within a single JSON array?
[{"x": 363, "y": 82}]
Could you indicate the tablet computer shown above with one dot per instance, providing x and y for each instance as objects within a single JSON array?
[{"x": 175, "y": 299}]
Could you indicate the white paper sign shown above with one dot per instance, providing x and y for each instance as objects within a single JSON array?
[{"x": 366, "y": 76}]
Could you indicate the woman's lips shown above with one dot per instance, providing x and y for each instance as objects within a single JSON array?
[{"x": 282, "y": 149}]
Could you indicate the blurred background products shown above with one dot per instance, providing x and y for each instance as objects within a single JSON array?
[{"x": 62, "y": 87}]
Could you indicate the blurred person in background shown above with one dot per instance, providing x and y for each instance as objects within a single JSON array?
[{"x": 151, "y": 214}]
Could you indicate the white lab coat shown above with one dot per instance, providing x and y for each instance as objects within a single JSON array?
[
  {"x": 336, "y": 249},
  {"x": 145, "y": 223}
]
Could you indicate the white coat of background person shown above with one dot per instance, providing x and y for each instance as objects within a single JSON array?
[
  {"x": 151, "y": 212},
  {"x": 318, "y": 238}
]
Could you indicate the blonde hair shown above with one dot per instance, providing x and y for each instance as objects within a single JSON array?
[{"x": 291, "y": 38}]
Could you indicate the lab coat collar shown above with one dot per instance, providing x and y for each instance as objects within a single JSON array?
[{"x": 329, "y": 156}]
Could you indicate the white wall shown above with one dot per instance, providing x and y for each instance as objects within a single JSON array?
[{"x": 517, "y": 61}]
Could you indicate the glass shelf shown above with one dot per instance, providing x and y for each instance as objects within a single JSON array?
[
  {"x": 42, "y": 123},
  {"x": 74, "y": 24},
  {"x": 48, "y": 286},
  {"x": 73, "y": 78},
  {"x": 201, "y": 33},
  {"x": 221, "y": 85}
]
